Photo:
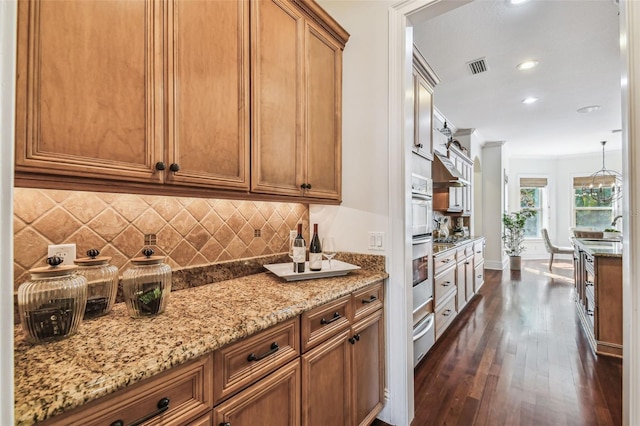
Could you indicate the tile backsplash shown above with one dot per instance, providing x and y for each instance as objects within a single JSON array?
[{"x": 189, "y": 231}]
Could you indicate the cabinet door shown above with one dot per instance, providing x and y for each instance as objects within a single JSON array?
[
  {"x": 469, "y": 271},
  {"x": 478, "y": 277},
  {"x": 423, "y": 140},
  {"x": 208, "y": 93},
  {"x": 368, "y": 368},
  {"x": 89, "y": 89},
  {"x": 326, "y": 383},
  {"x": 323, "y": 133},
  {"x": 277, "y": 36},
  {"x": 273, "y": 400},
  {"x": 461, "y": 283}
]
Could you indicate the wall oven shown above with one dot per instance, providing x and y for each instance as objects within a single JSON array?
[
  {"x": 422, "y": 282},
  {"x": 421, "y": 205}
]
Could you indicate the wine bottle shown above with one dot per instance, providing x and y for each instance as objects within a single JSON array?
[
  {"x": 299, "y": 251},
  {"x": 315, "y": 251}
]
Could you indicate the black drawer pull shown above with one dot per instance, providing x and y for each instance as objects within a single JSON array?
[
  {"x": 446, "y": 260},
  {"x": 336, "y": 317},
  {"x": 354, "y": 339},
  {"x": 273, "y": 350},
  {"x": 466, "y": 263},
  {"x": 588, "y": 283},
  {"x": 369, "y": 300},
  {"x": 446, "y": 313},
  {"x": 590, "y": 312},
  {"x": 225, "y": 424},
  {"x": 163, "y": 405},
  {"x": 446, "y": 284}
]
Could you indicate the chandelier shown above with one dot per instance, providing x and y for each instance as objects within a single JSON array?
[{"x": 603, "y": 186}]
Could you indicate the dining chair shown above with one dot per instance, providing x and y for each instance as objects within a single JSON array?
[{"x": 553, "y": 249}]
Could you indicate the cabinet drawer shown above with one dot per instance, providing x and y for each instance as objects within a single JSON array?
[
  {"x": 187, "y": 389},
  {"x": 588, "y": 263},
  {"x": 444, "y": 261},
  {"x": 367, "y": 300},
  {"x": 478, "y": 251},
  {"x": 318, "y": 324},
  {"x": 590, "y": 305},
  {"x": 244, "y": 362},
  {"x": 444, "y": 285},
  {"x": 445, "y": 315}
]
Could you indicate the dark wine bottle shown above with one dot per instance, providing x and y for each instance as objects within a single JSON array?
[
  {"x": 315, "y": 251},
  {"x": 299, "y": 251}
]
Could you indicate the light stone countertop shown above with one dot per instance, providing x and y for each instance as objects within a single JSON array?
[
  {"x": 114, "y": 351},
  {"x": 600, "y": 247}
]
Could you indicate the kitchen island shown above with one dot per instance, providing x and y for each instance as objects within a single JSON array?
[
  {"x": 115, "y": 351},
  {"x": 598, "y": 285}
]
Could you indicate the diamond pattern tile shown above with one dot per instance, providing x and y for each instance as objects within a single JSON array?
[{"x": 189, "y": 231}]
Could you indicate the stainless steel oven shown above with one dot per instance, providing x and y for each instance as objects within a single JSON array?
[
  {"x": 421, "y": 205},
  {"x": 422, "y": 282}
]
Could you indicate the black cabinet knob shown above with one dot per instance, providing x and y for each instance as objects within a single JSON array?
[
  {"x": 160, "y": 166},
  {"x": 174, "y": 167}
]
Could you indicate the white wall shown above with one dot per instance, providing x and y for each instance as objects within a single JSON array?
[
  {"x": 7, "y": 88},
  {"x": 492, "y": 203},
  {"x": 560, "y": 172}
]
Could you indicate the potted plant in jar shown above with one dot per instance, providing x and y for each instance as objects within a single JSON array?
[
  {"x": 611, "y": 234},
  {"x": 513, "y": 236}
]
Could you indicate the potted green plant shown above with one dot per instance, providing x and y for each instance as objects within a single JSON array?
[{"x": 513, "y": 236}]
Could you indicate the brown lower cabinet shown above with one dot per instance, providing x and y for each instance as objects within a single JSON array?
[
  {"x": 273, "y": 400},
  {"x": 264, "y": 379}
]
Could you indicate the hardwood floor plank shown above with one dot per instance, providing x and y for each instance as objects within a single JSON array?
[{"x": 517, "y": 355}]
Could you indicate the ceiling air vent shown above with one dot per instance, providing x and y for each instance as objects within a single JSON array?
[{"x": 477, "y": 66}]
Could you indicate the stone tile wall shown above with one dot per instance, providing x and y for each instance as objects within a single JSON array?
[{"x": 190, "y": 231}]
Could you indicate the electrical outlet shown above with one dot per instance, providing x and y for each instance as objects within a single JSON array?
[{"x": 66, "y": 251}]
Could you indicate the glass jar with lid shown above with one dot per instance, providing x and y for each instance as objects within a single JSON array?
[
  {"x": 102, "y": 283},
  {"x": 146, "y": 285},
  {"x": 51, "y": 304}
]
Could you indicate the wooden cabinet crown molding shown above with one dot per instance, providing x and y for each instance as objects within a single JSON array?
[{"x": 321, "y": 17}]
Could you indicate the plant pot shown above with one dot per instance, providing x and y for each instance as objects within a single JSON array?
[
  {"x": 514, "y": 262},
  {"x": 611, "y": 235}
]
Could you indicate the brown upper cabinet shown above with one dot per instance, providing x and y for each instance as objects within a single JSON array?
[
  {"x": 296, "y": 101},
  {"x": 130, "y": 96}
]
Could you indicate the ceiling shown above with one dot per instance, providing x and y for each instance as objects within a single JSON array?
[{"x": 577, "y": 45}]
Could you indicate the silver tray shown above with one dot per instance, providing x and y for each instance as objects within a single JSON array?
[{"x": 285, "y": 270}]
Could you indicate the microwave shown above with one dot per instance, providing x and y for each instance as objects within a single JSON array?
[{"x": 421, "y": 205}]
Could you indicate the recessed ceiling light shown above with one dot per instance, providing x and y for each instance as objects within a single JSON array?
[
  {"x": 588, "y": 109},
  {"x": 517, "y": 1},
  {"x": 529, "y": 100},
  {"x": 527, "y": 65}
]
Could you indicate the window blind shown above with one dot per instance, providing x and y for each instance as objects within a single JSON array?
[
  {"x": 533, "y": 182},
  {"x": 586, "y": 181}
]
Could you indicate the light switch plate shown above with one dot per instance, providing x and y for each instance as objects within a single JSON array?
[
  {"x": 66, "y": 251},
  {"x": 376, "y": 241}
]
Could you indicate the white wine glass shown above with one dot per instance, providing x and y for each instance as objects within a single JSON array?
[{"x": 328, "y": 249}]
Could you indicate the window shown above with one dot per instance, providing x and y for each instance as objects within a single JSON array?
[
  {"x": 589, "y": 212},
  {"x": 533, "y": 195}
]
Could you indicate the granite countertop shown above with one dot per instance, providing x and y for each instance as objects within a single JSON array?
[
  {"x": 600, "y": 247},
  {"x": 439, "y": 248},
  {"x": 114, "y": 351}
]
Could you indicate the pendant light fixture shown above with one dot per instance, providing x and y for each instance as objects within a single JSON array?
[
  {"x": 603, "y": 186},
  {"x": 446, "y": 131}
]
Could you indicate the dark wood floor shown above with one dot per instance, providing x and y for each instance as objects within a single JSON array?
[{"x": 517, "y": 356}]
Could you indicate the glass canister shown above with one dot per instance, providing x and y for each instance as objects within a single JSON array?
[
  {"x": 146, "y": 285},
  {"x": 102, "y": 283},
  {"x": 52, "y": 303}
]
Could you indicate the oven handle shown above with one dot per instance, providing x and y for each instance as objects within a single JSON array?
[
  {"x": 422, "y": 197},
  {"x": 429, "y": 323},
  {"x": 421, "y": 240},
  {"x": 430, "y": 299}
]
